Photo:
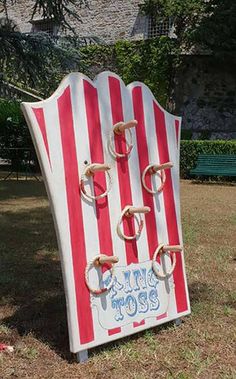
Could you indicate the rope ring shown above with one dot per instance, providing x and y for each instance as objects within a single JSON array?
[
  {"x": 154, "y": 266},
  {"x": 128, "y": 144},
  {"x": 91, "y": 264},
  {"x": 163, "y": 179},
  {"x": 82, "y": 184},
  {"x": 139, "y": 222}
]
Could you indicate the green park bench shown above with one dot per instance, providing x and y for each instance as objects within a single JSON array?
[{"x": 215, "y": 165}]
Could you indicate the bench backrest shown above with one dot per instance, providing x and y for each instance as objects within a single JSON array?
[{"x": 217, "y": 160}]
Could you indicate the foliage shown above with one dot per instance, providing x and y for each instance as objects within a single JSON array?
[
  {"x": 58, "y": 10},
  {"x": 13, "y": 129},
  {"x": 209, "y": 24},
  {"x": 146, "y": 61},
  {"x": 185, "y": 14},
  {"x": 14, "y": 133},
  {"x": 186, "y": 134},
  {"x": 38, "y": 60},
  {"x": 149, "y": 62},
  {"x": 217, "y": 29},
  {"x": 189, "y": 151}
]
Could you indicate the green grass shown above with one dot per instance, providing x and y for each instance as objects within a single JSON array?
[{"x": 33, "y": 309}]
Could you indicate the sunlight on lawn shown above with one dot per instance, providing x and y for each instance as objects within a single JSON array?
[{"x": 33, "y": 310}]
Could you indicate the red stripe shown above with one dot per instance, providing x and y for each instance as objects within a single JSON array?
[
  {"x": 143, "y": 163},
  {"x": 171, "y": 220},
  {"x": 111, "y": 332},
  {"x": 136, "y": 324},
  {"x": 123, "y": 169},
  {"x": 164, "y": 315},
  {"x": 96, "y": 152},
  {"x": 39, "y": 114},
  {"x": 177, "y": 131},
  {"x": 84, "y": 313}
]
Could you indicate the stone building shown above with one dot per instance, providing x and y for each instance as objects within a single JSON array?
[
  {"x": 107, "y": 20},
  {"x": 205, "y": 92}
]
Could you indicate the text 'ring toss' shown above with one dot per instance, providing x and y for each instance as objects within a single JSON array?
[
  {"x": 90, "y": 171},
  {"x": 120, "y": 128},
  {"x": 129, "y": 211},
  {"x": 162, "y": 249},
  {"x": 98, "y": 261},
  {"x": 153, "y": 169}
]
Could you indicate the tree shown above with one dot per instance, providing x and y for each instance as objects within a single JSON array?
[
  {"x": 202, "y": 24},
  {"x": 38, "y": 60},
  {"x": 217, "y": 29}
]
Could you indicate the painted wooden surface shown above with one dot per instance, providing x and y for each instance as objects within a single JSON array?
[{"x": 70, "y": 130}]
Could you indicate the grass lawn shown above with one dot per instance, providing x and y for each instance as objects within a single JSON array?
[{"x": 33, "y": 314}]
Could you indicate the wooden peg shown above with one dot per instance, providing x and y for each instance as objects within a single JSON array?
[
  {"x": 172, "y": 248},
  {"x": 132, "y": 210},
  {"x": 162, "y": 166},
  {"x": 91, "y": 169},
  {"x": 120, "y": 127},
  {"x": 107, "y": 259}
]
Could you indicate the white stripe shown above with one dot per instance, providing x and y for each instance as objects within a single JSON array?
[
  {"x": 134, "y": 173},
  {"x": 91, "y": 237},
  {"x": 153, "y": 157},
  {"x": 174, "y": 151},
  {"x": 114, "y": 201},
  {"x": 55, "y": 179}
]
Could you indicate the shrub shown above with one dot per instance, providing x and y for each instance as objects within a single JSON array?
[
  {"x": 189, "y": 151},
  {"x": 147, "y": 61},
  {"x": 14, "y": 133}
]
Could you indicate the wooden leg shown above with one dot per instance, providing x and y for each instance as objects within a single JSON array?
[
  {"x": 82, "y": 356},
  {"x": 178, "y": 321}
]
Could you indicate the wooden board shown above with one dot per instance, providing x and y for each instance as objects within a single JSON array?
[{"x": 71, "y": 130}]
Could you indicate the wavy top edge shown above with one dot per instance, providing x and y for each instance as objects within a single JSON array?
[{"x": 78, "y": 75}]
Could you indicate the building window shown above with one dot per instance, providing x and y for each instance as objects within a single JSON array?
[
  {"x": 159, "y": 28},
  {"x": 46, "y": 26}
]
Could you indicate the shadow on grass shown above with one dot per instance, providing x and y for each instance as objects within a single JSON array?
[
  {"x": 30, "y": 274},
  {"x": 30, "y": 270},
  {"x": 227, "y": 182},
  {"x": 199, "y": 292},
  {"x": 23, "y": 188}
]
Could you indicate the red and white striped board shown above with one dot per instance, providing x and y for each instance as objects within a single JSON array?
[{"x": 71, "y": 130}]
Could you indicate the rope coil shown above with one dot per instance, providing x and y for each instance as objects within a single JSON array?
[
  {"x": 118, "y": 129},
  {"x": 90, "y": 171},
  {"x": 154, "y": 169},
  {"x": 97, "y": 261},
  {"x": 130, "y": 211},
  {"x": 163, "y": 249}
]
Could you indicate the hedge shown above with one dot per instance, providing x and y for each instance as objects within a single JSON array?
[
  {"x": 14, "y": 133},
  {"x": 189, "y": 151}
]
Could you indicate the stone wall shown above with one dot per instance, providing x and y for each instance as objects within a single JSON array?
[
  {"x": 108, "y": 20},
  {"x": 112, "y": 20},
  {"x": 20, "y": 13},
  {"x": 205, "y": 96}
]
